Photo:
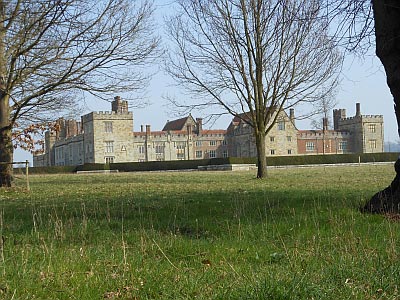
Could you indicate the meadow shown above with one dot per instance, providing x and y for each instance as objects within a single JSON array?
[{"x": 200, "y": 235}]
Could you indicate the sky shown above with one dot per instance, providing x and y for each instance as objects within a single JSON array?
[{"x": 363, "y": 81}]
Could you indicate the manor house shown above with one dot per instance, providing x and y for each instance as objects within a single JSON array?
[{"x": 108, "y": 137}]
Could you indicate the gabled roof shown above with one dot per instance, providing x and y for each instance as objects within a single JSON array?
[{"x": 178, "y": 124}]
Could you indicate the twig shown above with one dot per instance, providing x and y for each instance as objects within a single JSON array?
[{"x": 166, "y": 257}]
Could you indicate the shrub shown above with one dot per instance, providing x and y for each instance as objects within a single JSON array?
[{"x": 194, "y": 164}]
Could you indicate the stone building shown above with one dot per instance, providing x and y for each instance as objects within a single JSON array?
[
  {"x": 181, "y": 139},
  {"x": 280, "y": 140},
  {"x": 108, "y": 137},
  {"x": 357, "y": 134}
]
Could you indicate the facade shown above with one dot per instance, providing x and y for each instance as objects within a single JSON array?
[
  {"x": 281, "y": 139},
  {"x": 357, "y": 134},
  {"x": 108, "y": 137}
]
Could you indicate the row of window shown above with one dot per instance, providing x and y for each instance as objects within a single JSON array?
[
  {"x": 310, "y": 146},
  {"x": 272, "y": 138},
  {"x": 211, "y": 153},
  {"x": 211, "y": 143},
  {"x": 272, "y": 152},
  {"x": 108, "y": 128}
]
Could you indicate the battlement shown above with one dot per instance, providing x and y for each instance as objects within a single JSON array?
[
  {"x": 107, "y": 115},
  {"x": 375, "y": 118},
  {"x": 112, "y": 113}
]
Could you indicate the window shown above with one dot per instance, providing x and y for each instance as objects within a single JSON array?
[
  {"x": 272, "y": 151},
  {"x": 271, "y": 138},
  {"x": 310, "y": 146},
  {"x": 225, "y": 153},
  {"x": 213, "y": 143},
  {"x": 213, "y": 154},
  {"x": 372, "y": 144},
  {"x": 289, "y": 138},
  {"x": 142, "y": 149},
  {"x": 109, "y": 159},
  {"x": 343, "y": 146},
  {"x": 281, "y": 125},
  {"x": 199, "y": 154},
  {"x": 199, "y": 143},
  {"x": 224, "y": 142},
  {"x": 160, "y": 149},
  {"x": 108, "y": 127},
  {"x": 109, "y": 146},
  {"x": 372, "y": 128},
  {"x": 180, "y": 150},
  {"x": 289, "y": 151}
]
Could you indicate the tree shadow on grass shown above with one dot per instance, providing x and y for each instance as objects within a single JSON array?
[{"x": 194, "y": 215}]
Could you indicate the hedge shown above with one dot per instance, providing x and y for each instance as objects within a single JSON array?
[
  {"x": 47, "y": 170},
  {"x": 194, "y": 164}
]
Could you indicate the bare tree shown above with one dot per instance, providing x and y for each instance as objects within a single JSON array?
[
  {"x": 50, "y": 49},
  {"x": 253, "y": 58}
]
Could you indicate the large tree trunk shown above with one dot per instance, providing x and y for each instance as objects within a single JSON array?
[
  {"x": 387, "y": 32},
  {"x": 261, "y": 156},
  {"x": 6, "y": 147}
]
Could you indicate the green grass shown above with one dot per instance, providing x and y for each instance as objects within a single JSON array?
[{"x": 199, "y": 235}]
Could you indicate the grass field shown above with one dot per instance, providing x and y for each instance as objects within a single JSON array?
[{"x": 200, "y": 235}]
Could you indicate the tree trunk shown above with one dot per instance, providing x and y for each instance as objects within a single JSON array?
[
  {"x": 6, "y": 146},
  {"x": 261, "y": 157},
  {"x": 387, "y": 29},
  {"x": 6, "y": 158}
]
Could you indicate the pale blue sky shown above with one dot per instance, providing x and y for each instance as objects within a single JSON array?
[{"x": 363, "y": 81}]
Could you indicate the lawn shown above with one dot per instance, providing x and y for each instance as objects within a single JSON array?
[{"x": 200, "y": 235}]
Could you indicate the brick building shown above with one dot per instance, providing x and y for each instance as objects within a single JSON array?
[{"x": 108, "y": 137}]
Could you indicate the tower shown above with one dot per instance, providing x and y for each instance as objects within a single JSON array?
[{"x": 338, "y": 114}]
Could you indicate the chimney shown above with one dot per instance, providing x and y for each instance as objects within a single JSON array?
[
  {"x": 199, "y": 122},
  {"x": 115, "y": 104},
  {"x": 324, "y": 124},
  {"x": 141, "y": 128},
  {"x": 291, "y": 115},
  {"x": 358, "y": 110},
  {"x": 147, "y": 129},
  {"x": 119, "y": 106}
]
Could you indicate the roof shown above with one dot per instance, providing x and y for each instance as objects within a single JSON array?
[
  {"x": 213, "y": 131},
  {"x": 175, "y": 124}
]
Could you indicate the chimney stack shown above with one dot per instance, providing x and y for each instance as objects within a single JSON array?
[
  {"x": 141, "y": 128},
  {"x": 119, "y": 106},
  {"x": 199, "y": 122},
  {"x": 147, "y": 129},
  {"x": 325, "y": 124},
  {"x": 291, "y": 115},
  {"x": 358, "y": 110}
]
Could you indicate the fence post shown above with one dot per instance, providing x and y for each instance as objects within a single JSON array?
[{"x": 27, "y": 174}]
